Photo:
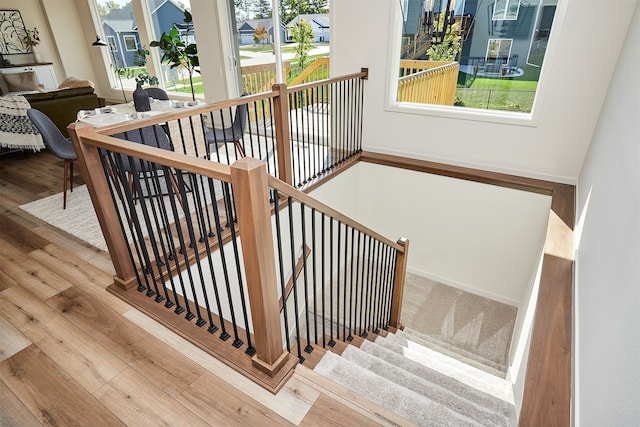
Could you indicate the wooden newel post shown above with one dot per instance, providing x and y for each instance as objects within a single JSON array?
[
  {"x": 96, "y": 182},
  {"x": 283, "y": 143},
  {"x": 398, "y": 284},
  {"x": 249, "y": 180}
]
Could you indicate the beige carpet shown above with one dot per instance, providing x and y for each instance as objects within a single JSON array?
[{"x": 459, "y": 320}]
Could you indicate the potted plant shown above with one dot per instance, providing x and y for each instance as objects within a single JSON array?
[{"x": 177, "y": 53}]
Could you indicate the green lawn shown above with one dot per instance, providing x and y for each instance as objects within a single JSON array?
[{"x": 511, "y": 94}]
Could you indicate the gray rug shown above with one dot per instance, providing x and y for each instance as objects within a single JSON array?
[{"x": 78, "y": 219}]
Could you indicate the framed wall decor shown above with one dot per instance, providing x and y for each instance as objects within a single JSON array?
[{"x": 12, "y": 33}]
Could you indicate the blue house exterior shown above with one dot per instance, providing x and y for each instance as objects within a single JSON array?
[{"x": 121, "y": 30}]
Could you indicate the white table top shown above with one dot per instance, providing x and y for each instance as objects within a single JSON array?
[{"x": 115, "y": 114}]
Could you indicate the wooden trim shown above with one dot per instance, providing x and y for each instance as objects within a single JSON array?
[
  {"x": 361, "y": 75},
  {"x": 547, "y": 389},
  {"x": 283, "y": 143},
  {"x": 313, "y": 203},
  {"x": 477, "y": 175},
  {"x": 295, "y": 275},
  {"x": 105, "y": 210},
  {"x": 249, "y": 180},
  {"x": 233, "y": 357},
  {"x": 398, "y": 283}
]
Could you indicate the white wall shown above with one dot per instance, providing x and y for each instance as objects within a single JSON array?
[
  {"x": 607, "y": 360},
  {"x": 581, "y": 70},
  {"x": 481, "y": 238}
]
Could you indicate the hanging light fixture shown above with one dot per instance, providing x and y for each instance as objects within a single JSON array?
[
  {"x": 101, "y": 43},
  {"x": 432, "y": 15}
]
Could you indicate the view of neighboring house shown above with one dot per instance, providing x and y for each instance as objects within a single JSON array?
[
  {"x": 319, "y": 24},
  {"x": 246, "y": 30},
  {"x": 121, "y": 29},
  {"x": 501, "y": 31}
]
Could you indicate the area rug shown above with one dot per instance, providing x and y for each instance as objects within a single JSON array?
[{"x": 78, "y": 219}]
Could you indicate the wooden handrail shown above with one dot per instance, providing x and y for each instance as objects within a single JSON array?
[
  {"x": 398, "y": 284},
  {"x": 315, "y": 65},
  {"x": 282, "y": 187},
  {"x": 363, "y": 74}
]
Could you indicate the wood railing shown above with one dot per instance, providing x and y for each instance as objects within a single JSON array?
[
  {"x": 431, "y": 85},
  {"x": 173, "y": 219},
  {"x": 317, "y": 70},
  {"x": 261, "y": 77}
]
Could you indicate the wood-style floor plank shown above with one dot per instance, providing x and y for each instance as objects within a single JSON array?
[
  {"x": 19, "y": 236},
  {"x": 81, "y": 274},
  {"x": 50, "y": 394},
  {"x": 219, "y": 403},
  {"x": 13, "y": 413},
  {"x": 137, "y": 402},
  {"x": 87, "y": 362},
  {"x": 31, "y": 275},
  {"x": 11, "y": 340},
  {"x": 329, "y": 412},
  {"x": 163, "y": 366}
]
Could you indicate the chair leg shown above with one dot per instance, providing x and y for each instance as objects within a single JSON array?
[
  {"x": 71, "y": 174},
  {"x": 65, "y": 181},
  {"x": 238, "y": 145}
]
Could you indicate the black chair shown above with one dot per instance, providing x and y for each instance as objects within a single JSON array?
[
  {"x": 58, "y": 144},
  {"x": 233, "y": 134},
  {"x": 157, "y": 93},
  {"x": 154, "y": 136}
]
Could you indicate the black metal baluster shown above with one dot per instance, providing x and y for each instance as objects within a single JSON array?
[
  {"x": 344, "y": 284},
  {"x": 331, "y": 274},
  {"x": 314, "y": 272},
  {"x": 336, "y": 272},
  {"x": 354, "y": 270},
  {"x": 294, "y": 283},
  {"x": 308, "y": 347},
  {"x": 283, "y": 289},
  {"x": 324, "y": 321}
]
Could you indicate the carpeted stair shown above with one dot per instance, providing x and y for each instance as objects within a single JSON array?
[{"x": 420, "y": 384}]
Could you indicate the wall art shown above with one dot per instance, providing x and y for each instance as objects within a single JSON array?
[{"x": 12, "y": 33}]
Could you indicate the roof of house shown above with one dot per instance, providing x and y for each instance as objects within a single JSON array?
[
  {"x": 320, "y": 19},
  {"x": 123, "y": 20}
]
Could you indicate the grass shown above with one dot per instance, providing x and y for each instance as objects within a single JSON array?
[{"x": 510, "y": 94}]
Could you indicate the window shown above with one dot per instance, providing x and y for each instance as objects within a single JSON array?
[
  {"x": 489, "y": 59},
  {"x": 112, "y": 43},
  {"x": 130, "y": 43},
  {"x": 506, "y": 9},
  {"x": 498, "y": 50}
]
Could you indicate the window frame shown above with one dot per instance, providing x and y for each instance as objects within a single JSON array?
[
  {"x": 531, "y": 119},
  {"x": 112, "y": 42},
  {"x": 129, "y": 37},
  {"x": 500, "y": 40},
  {"x": 505, "y": 13}
]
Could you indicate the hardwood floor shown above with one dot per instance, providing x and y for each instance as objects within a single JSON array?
[{"x": 73, "y": 354}]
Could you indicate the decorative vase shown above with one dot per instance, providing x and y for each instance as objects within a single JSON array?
[
  {"x": 36, "y": 55},
  {"x": 141, "y": 99}
]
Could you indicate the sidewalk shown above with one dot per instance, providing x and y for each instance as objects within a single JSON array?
[{"x": 266, "y": 58}]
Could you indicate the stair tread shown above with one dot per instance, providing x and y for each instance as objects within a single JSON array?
[
  {"x": 452, "y": 385},
  {"x": 454, "y": 368},
  {"x": 404, "y": 402},
  {"x": 443, "y": 347}
]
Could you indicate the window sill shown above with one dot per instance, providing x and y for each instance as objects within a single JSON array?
[{"x": 462, "y": 113}]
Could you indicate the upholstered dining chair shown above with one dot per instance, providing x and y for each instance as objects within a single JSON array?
[
  {"x": 233, "y": 134},
  {"x": 58, "y": 144},
  {"x": 154, "y": 136},
  {"x": 157, "y": 93}
]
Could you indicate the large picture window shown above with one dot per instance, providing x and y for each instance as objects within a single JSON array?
[{"x": 482, "y": 55}]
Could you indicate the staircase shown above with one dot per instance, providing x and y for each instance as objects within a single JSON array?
[{"x": 403, "y": 373}]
